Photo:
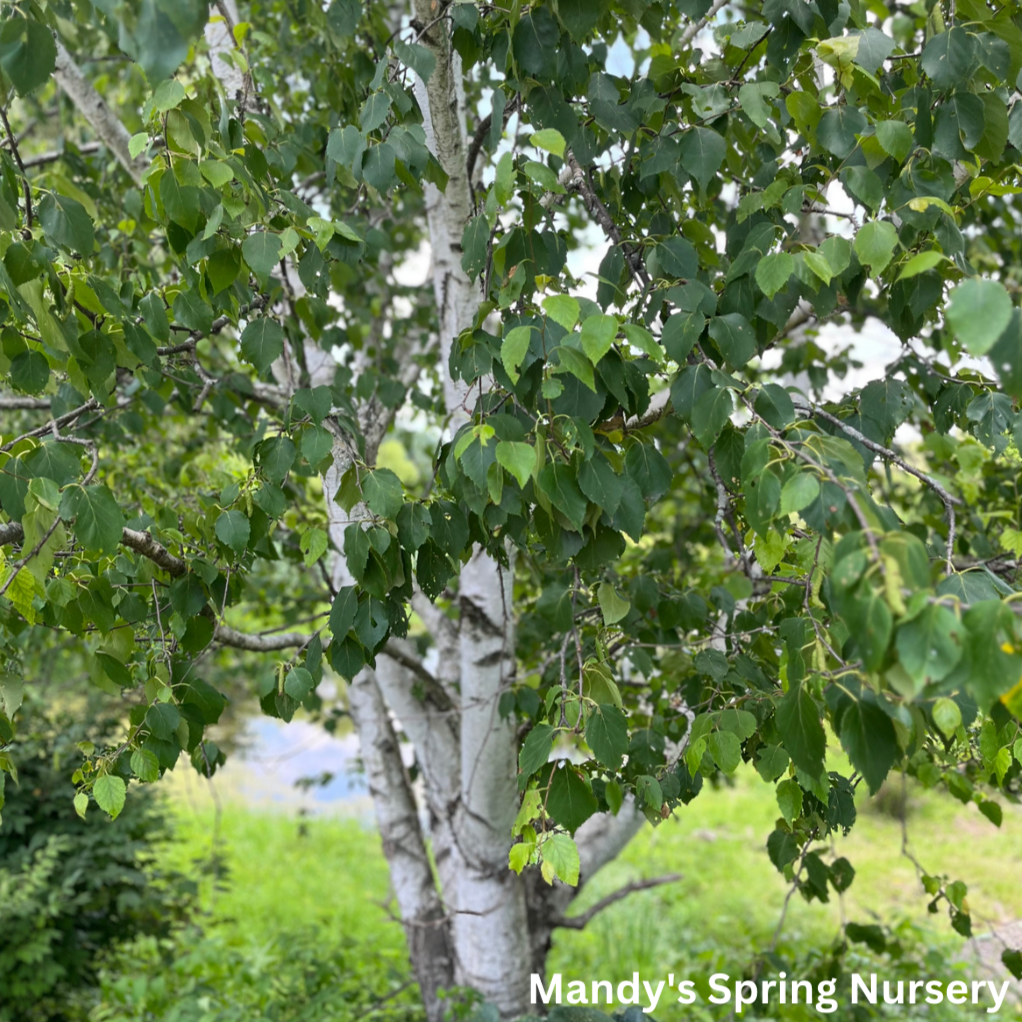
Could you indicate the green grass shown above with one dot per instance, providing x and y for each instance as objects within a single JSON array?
[{"x": 286, "y": 874}]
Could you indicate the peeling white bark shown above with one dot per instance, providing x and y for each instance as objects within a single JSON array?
[
  {"x": 397, "y": 817},
  {"x": 91, "y": 105},
  {"x": 219, "y": 33}
]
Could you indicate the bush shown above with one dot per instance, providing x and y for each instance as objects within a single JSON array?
[
  {"x": 72, "y": 889},
  {"x": 297, "y": 977}
]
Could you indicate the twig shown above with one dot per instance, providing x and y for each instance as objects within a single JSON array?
[
  {"x": 12, "y": 142},
  {"x": 946, "y": 498},
  {"x": 580, "y": 921}
]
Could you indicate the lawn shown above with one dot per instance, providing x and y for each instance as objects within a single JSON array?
[{"x": 287, "y": 874}]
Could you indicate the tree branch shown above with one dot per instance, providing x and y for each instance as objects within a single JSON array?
[
  {"x": 92, "y": 107},
  {"x": 228, "y": 636},
  {"x": 885, "y": 452},
  {"x": 697, "y": 26},
  {"x": 580, "y": 921},
  {"x": 140, "y": 542},
  {"x": 602, "y": 216}
]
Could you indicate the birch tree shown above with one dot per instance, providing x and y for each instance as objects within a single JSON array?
[{"x": 636, "y": 558}]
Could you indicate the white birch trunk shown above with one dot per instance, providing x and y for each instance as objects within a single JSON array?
[{"x": 491, "y": 927}]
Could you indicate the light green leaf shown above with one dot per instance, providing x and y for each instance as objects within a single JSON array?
[
  {"x": 513, "y": 350},
  {"x": 110, "y": 792},
  {"x": 920, "y": 263},
  {"x": 562, "y": 309},
  {"x": 978, "y": 313},
  {"x": 774, "y": 271},
  {"x": 518, "y": 458},
  {"x": 875, "y": 243},
  {"x": 560, "y": 859},
  {"x": 549, "y": 139},
  {"x": 613, "y": 607}
]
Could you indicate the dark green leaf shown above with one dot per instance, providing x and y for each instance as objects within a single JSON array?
[{"x": 798, "y": 721}]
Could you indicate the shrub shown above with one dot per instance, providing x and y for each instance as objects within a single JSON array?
[{"x": 71, "y": 889}]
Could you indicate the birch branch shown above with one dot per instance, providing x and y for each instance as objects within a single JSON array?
[
  {"x": 947, "y": 499},
  {"x": 141, "y": 542},
  {"x": 697, "y": 26},
  {"x": 93, "y": 108},
  {"x": 580, "y": 921}
]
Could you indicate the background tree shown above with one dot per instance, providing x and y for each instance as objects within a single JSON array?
[{"x": 634, "y": 544}]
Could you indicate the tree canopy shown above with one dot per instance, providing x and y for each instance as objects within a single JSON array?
[{"x": 703, "y": 547}]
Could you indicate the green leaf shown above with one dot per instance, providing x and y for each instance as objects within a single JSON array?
[
  {"x": 343, "y": 611},
  {"x": 928, "y": 645},
  {"x": 298, "y": 683},
  {"x": 475, "y": 241},
  {"x": 110, "y": 793},
  {"x": 262, "y": 343},
  {"x": 383, "y": 493},
  {"x": 262, "y": 252},
  {"x": 870, "y": 619},
  {"x": 313, "y": 544},
  {"x": 99, "y": 522},
  {"x": 535, "y": 750},
  {"x": 949, "y": 58},
  {"x": 30, "y": 372},
  {"x": 570, "y": 802},
  {"x": 947, "y": 716},
  {"x": 868, "y": 736},
  {"x": 774, "y": 271},
  {"x": 681, "y": 331},
  {"x": 577, "y": 364},
  {"x": 799, "y": 492},
  {"x": 513, "y": 350},
  {"x": 920, "y": 263},
  {"x": 233, "y": 530},
  {"x": 559, "y": 484},
  {"x": 978, "y": 313},
  {"x": 67, "y": 223},
  {"x": 549, "y": 139},
  {"x": 145, "y": 766},
  {"x": 374, "y": 111},
  {"x": 81, "y": 803},
  {"x": 607, "y": 735},
  {"x": 317, "y": 445},
  {"x": 379, "y": 167},
  {"x": 734, "y": 336},
  {"x": 789, "y": 799},
  {"x": 562, "y": 309},
  {"x": 896, "y": 138},
  {"x": 518, "y": 458},
  {"x": 168, "y": 95},
  {"x": 601, "y": 484},
  {"x": 710, "y": 414},
  {"x": 613, "y": 607},
  {"x": 875, "y": 243},
  {"x": 417, "y": 57},
  {"x": 771, "y": 762},
  {"x": 276, "y": 456},
  {"x": 798, "y": 721},
  {"x": 598, "y": 333},
  {"x": 560, "y": 858},
  {"x": 28, "y": 53},
  {"x": 702, "y": 152},
  {"x": 726, "y": 750}
]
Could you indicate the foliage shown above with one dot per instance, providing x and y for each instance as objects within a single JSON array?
[
  {"x": 299, "y": 976},
  {"x": 712, "y": 566},
  {"x": 72, "y": 889}
]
